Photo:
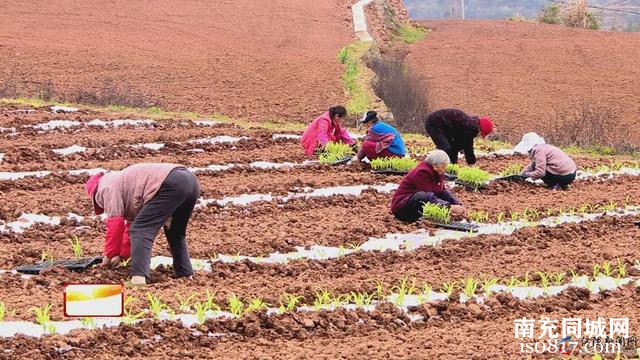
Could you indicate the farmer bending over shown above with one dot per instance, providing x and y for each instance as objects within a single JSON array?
[
  {"x": 326, "y": 127},
  {"x": 453, "y": 130},
  {"x": 425, "y": 184},
  {"x": 147, "y": 196},
  {"x": 548, "y": 163},
  {"x": 382, "y": 139}
]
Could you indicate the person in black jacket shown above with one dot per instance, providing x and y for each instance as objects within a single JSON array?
[{"x": 453, "y": 130}]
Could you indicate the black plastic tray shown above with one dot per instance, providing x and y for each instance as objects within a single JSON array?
[
  {"x": 70, "y": 264},
  {"x": 637, "y": 223},
  {"x": 389, "y": 172},
  {"x": 511, "y": 178},
  {"x": 469, "y": 186},
  {"x": 459, "y": 226},
  {"x": 342, "y": 162},
  {"x": 450, "y": 176}
]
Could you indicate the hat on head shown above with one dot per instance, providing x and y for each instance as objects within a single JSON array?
[
  {"x": 486, "y": 126},
  {"x": 529, "y": 140},
  {"x": 370, "y": 115},
  {"x": 91, "y": 186}
]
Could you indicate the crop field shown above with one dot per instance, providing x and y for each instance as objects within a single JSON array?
[{"x": 296, "y": 259}]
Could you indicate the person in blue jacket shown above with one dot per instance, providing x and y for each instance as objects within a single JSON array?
[{"x": 382, "y": 139}]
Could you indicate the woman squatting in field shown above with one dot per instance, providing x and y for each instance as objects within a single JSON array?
[
  {"x": 453, "y": 130},
  {"x": 326, "y": 127},
  {"x": 146, "y": 196},
  {"x": 382, "y": 139},
  {"x": 548, "y": 163},
  {"x": 425, "y": 184}
]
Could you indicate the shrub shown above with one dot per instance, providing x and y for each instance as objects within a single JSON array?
[
  {"x": 550, "y": 15},
  {"x": 404, "y": 92}
]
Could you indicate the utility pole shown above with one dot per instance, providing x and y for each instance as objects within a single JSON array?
[{"x": 462, "y": 8}]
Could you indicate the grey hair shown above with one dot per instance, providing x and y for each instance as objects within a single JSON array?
[{"x": 437, "y": 157}]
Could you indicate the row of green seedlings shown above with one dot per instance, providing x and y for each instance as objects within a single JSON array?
[
  {"x": 530, "y": 216},
  {"x": 611, "y": 168},
  {"x": 394, "y": 163},
  {"x": 335, "y": 151},
  {"x": 324, "y": 299},
  {"x": 481, "y": 145}
]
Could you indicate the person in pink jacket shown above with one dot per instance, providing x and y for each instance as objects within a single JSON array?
[
  {"x": 548, "y": 163},
  {"x": 138, "y": 201},
  {"x": 326, "y": 127}
]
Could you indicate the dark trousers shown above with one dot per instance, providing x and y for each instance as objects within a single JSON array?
[
  {"x": 552, "y": 180},
  {"x": 412, "y": 211},
  {"x": 443, "y": 143},
  {"x": 176, "y": 198}
]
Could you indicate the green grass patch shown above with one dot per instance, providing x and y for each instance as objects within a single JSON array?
[
  {"x": 353, "y": 80},
  {"x": 410, "y": 34},
  {"x": 397, "y": 164}
]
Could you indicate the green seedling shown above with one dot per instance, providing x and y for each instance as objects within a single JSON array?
[
  {"x": 426, "y": 291},
  {"x": 479, "y": 216},
  {"x": 323, "y": 298},
  {"x": 3, "y": 311},
  {"x": 198, "y": 265},
  {"x": 514, "y": 215},
  {"x": 574, "y": 276},
  {"x": 361, "y": 299},
  {"x": 513, "y": 169},
  {"x": 43, "y": 317},
  {"x": 340, "y": 300},
  {"x": 474, "y": 176},
  {"x": 236, "y": 257},
  {"x": 511, "y": 283},
  {"x": 469, "y": 286},
  {"x": 88, "y": 322},
  {"x": 125, "y": 263},
  {"x": 259, "y": 259},
  {"x": 184, "y": 304},
  {"x": 622, "y": 269},
  {"x": 213, "y": 257},
  {"x": 76, "y": 246},
  {"x": 341, "y": 251},
  {"x": 46, "y": 256},
  {"x": 606, "y": 268},
  {"x": 290, "y": 301},
  {"x": 544, "y": 281},
  {"x": 525, "y": 281},
  {"x": 404, "y": 289},
  {"x": 235, "y": 305},
  {"x": 596, "y": 271},
  {"x": 500, "y": 217},
  {"x": 558, "y": 279},
  {"x": 201, "y": 310},
  {"x": 436, "y": 213},
  {"x": 448, "y": 288},
  {"x": 210, "y": 304},
  {"x": 129, "y": 316},
  {"x": 156, "y": 305},
  {"x": 380, "y": 291},
  {"x": 256, "y": 304},
  {"x": 487, "y": 284}
]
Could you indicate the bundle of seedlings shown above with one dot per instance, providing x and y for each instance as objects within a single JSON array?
[
  {"x": 473, "y": 178},
  {"x": 396, "y": 166},
  {"x": 335, "y": 153}
]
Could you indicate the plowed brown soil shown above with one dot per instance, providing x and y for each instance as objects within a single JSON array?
[
  {"x": 520, "y": 73},
  {"x": 262, "y": 59}
]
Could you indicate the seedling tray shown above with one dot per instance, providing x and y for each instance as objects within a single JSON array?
[
  {"x": 450, "y": 176},
  {"x": 459, "y": 226},
  {"x": 469, "y": 186},
  {"x": 342, "y": 162},
  {"x": 389, "y": 172},
  {"x": 70, "y": 264},
  {"x": 511, "y": 178},
  {"x": 637, "y": 223}
]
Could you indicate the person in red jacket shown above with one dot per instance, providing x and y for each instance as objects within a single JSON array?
[
  {"x": 425, "y": 184},
  {"x": 138, "y": 201}
]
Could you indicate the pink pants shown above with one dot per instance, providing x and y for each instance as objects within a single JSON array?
[{"x": 368, "y": 150}]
